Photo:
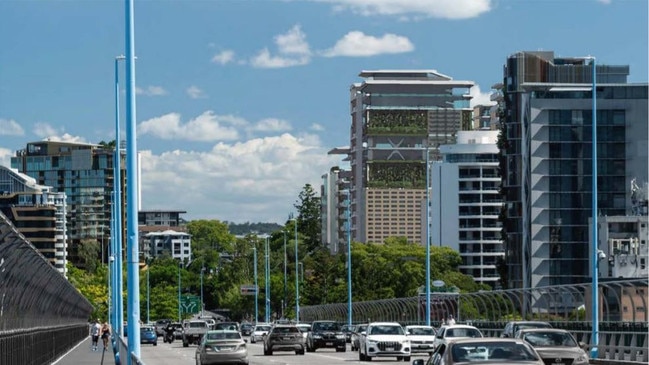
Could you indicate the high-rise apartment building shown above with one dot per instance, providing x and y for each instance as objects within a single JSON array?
[
  {"x": 37, "y": 212},
  {"x": 546, "y": 161},
  {"x": 84, "y": 172},
  {"x": 397, "y": 116},
  {"x": 466, "y": 203}
]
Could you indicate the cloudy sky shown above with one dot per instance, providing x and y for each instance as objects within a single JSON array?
[{"x": 239, "y": 101}]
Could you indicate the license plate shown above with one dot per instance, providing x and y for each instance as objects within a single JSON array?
[
  {"x": 226, "y": 348},
  {"x": 329, "y": 344},
  {"x": 389, "y": 349}
]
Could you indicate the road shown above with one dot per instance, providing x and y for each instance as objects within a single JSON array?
[{"x": 176, "y": 354}]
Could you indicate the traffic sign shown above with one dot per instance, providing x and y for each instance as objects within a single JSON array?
[
  {"x": 190, "y": 304},
  {"x": 248, "y": 290}
]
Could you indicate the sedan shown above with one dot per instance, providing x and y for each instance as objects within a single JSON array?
[
  {"x": 446, "y": 333},
  {"x": 222, "y": 347},
  {"x": 259, "y": 332},
  {"x": 555, "y": 346},
  {"x": 148, "y": 335},
  {"x": 483, "y": 351}
]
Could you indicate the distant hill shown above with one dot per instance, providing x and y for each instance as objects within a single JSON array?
[{"x": 242, "y": 229}]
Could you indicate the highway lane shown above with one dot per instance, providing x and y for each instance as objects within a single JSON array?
[{"x": 176, "y": 354}]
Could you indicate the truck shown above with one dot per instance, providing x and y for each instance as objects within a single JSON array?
[{"x": 193, "y": 331}]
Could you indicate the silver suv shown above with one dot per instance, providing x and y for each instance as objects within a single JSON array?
[{"x": 284, "y": 337}]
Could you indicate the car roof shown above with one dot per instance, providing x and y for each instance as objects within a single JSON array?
[
  {"x": 458, "y": 326},
  {"x": 553, "y": 330},
  {"x": 485, "y": 339},
  {"x": 418, "y": 326},
  {"x": 222, "y": 331},
  {"x": 384, "y": 324}
]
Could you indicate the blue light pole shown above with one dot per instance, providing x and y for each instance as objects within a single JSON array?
[
  {"x": 428, "y": 236},
  {"x": 349, "y": 259},
  {"x": 180, "y": 318},
  {"x": 595, "y": 259},
  {"x": 267, "y": 285},
  {"x": 285, "y": 259},
  {"x": 254, "y": 250},
  {"x": 117, "y": 286},
  {"x": 297, "y": 283}
]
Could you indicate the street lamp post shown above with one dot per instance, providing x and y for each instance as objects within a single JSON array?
[
  {"x": 267, "y": 284},
  {"x": 297, "y": 283},
  {"x": 285, "y": 259},
  {"x": 202, "y": 302},
  {"x": 349, "y": 259},
  {"x": 427, "y": 236},
  {"x": 148, "y": 296},
  {"x": 595, "y": 255},
  {"x": 118, "y": 300},
  {"x": 254, "y": 250},
  {"x": 179, "y": 283}
]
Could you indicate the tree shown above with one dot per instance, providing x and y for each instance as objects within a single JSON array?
[
  {"x": 309, "y": 223},
  {"x": 88, "y": 251}
]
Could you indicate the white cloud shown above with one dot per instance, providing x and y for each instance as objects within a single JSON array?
[
  {"x": 606, "y": 2},
  {"x": 480, "y": 98},
  {"x": 357, "y": 44},
  {"x": 206, "y": 127},
  {"x": 223, "y": 57},
  {"x": 44, "y": 130},
  {"x": 292, "y": 47},
  {"x": 9, "y": 127},
  {"x": 254, "y": 180},
  {"x": 450, "y": 9},
  {"x": 271, "y": 125},
  {"x": 151, "y": 91},
  {"x": 195, "y": 92},
  {"x": 317, "y": 127},
  {"x": 5, "y": 157}
]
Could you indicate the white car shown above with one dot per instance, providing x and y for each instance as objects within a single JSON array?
[
  {"x": 305, "y": 328},
  {"x": 446, "y": 333},
  {"x": 422, "y": 338},
  {"x": 384, "y": 339},
  {"x": 259, "y": 332}
]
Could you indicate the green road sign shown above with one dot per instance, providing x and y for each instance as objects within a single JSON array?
[{"x": 190, "y": 304}]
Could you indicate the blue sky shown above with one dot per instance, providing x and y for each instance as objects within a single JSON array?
[{"x": 239, "y": 101}]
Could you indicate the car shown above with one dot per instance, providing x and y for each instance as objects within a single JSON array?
[
  {"x": 148, "y": 335},
  {"x": 483, "y": 351},
  {"x": 246, "y": 329},
  {"x": 445, "y": 333},
  {"x": 305, "y": 328},
  {"x": 326, "y": 334},
  {"x": 514, "y": 326},
  {"x": 232, "y": 326},
  {"x": 259, "y": 332},
  {"x": 347, "y": 330},
  {"x": 284, "y": 337},
  {"x": 555, "y": 346},
  {"x": 384, "y": 339},
  {"x": 222, "y": 347},
  {"x": 160, "y": 325},
  {"x": 422, "y": 338},
  {"x": 359, "y": 330},
  {"x": 193, "y": 331}
]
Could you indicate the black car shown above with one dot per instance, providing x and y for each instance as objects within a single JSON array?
[
  {"x": 326, "y": 334},
  {"x": 246, "y": 329},
  {"x": 284, "y": 337},
  {"x": 232, "y": 326},
  {"x": 347, "y": 330}
]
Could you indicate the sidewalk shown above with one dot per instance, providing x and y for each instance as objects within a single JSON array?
[{"x": 82, "y": 354}]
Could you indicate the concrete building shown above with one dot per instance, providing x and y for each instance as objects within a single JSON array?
[
  {"x": 84, "y": 173},
  {"x": 396, "y": 117},
  {"x": 37, "y": 212},
  {"x": 546, "y": 161},
  {"x": 168, "y": 218},
  {"x": 334, "y": 212},
  {"x": 172, "y": 243},
  {"x": 466, "y": 203}
]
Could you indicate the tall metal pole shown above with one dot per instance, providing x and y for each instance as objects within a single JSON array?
[
  {"x": 595, "y": 260},
  {"x": 267, "y": 285},
  {"x": 118, "y": 287},
  {"x": 202, "y": 306},
  {"x": 349, "y": 259},
  {"x": 132, "y": 188},
  {"x": 180, "y": 318},
  {"x": 428, "y": 236},
  {"x": 148, "y": 296},
  {"x": 285, "y": 259},
  {"x": 254, "y": 249},
  {"x": 297, "y": 283}
]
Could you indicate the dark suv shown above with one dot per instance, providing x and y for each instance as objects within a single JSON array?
[
  {"x": 326, "y": 334},
  {"x": 512, "y": 327},
  {"x": 284, "y": 337}
]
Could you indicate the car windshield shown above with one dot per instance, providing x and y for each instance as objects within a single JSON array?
[
  {"x": 492, "y": 351},
  {"x": 386, "y": 330},
  {"x": 463, "y": 332},
  {"x": 286, "y": 330},
  {"x": 550, "y": 339},
  {"x": 522, "y": 326},
  {"x": 223, "y": 336},
  {"x": 421, "y": 331},
  {"x": 262, "y": 328},
  {"x": 226, "y": 326},
  {"x": 361, "y": 328},
  {"x": 304, "y": 328},
  {"x": 326, "y": 326},
  {"x": 197, "y": 324},
  {"x": 145, "y": 329}
]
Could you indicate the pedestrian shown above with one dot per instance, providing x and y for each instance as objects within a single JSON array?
[
  {"x": 451, "y": 320},
  {"x": 95, "y": 328},
  {"x": 105, "y": 334}
]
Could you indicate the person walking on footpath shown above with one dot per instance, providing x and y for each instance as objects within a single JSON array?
[
  {"x": 105, "y": 334},
  {"x": 95, "y": 328}
]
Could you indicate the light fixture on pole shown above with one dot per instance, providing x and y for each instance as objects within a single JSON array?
[
  {"x": 349, "y": 259},
  {"x": 595, "y": 254},
  {"x": 117, "y": 285},
  {"x": 267, "y": 285},
  {"x": 427, "y": 235},
  {"x": 297, "y": 283}
]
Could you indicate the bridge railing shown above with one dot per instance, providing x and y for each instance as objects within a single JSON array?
[{"x": 623, "y": 330}]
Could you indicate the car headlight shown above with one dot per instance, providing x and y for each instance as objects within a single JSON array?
[
  {"x": 317, "y": 336},
  {"x": 372, "y": 342},
  {"x": 581, "y": 359},
  {"x": 340, "y": 336}
]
